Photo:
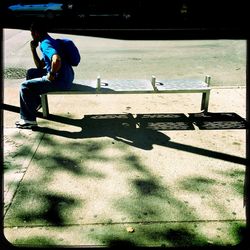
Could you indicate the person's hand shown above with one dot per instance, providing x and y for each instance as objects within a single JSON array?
[
  {"x": 33, "y": 44},
  {"x": 51, "y": 77}
]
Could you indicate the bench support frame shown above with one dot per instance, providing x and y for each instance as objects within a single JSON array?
[{"x": 205, "y": 95}]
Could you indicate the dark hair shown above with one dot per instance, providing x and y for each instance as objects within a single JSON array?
[{"x": 39, "y": 26}]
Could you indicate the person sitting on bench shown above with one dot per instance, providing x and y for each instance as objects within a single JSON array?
[{"x": 53, "y": 73}]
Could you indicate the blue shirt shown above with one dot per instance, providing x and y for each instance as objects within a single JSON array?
[{"x": 65, "y": 75}]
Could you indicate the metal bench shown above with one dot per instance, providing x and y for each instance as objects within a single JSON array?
[{"x": 135, "y": 87}]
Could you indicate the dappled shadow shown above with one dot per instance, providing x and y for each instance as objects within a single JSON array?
[
  {"x": 146, "y": 187},
  {"x": 166, "y": 219},
  {"x": 150, "y": 198},
  {"x": 184, "y": 237},
  {"x": 34, "y": 241},
  {"x": 71, "y": 157},
  {"x": 198, "y": 184},
  {"x": 35, "y": 206},
  {"x": 53, "y": 211},
  {"x": 37, "y": 199}
]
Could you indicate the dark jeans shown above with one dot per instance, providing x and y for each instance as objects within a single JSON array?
[{"x": 30, "y": 92}]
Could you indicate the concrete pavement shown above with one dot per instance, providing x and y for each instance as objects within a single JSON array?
[{"x": 84, "y": 178}]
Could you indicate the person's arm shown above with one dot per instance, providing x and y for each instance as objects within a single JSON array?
[
  {"x": 55, "y": 67},
  {"x": 38, "y": 62}
]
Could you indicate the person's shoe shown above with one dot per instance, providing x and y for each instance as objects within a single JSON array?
[{"x": 26, "y": 124}]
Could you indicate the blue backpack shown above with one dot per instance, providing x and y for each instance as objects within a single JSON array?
[{"x": 70, "y": 52}]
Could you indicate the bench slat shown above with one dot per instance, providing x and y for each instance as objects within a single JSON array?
[
  {"x": 181, "y": 85},
  {"x": 127, "y": 85}
]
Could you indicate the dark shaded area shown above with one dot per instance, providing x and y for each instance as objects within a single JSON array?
[
  {"x": 165, "y": 121},
  {"x": 125, "y": 130},
  {"x": 52, "y": 213},
  {"x": 198, "y": 184},
  {"x": 34, "y": 242},
  {"x": 10, "y": 108},
  {"x": 247, "y": 173},
  {"x": 140, "y": 19},
  {"x": 183, "y": 237},
  {"x": 160, "y": 121},
  {"x": 207, "y": 121},
  {"x": 242, "y": 233},
  {"x": 203, "y": 120},
  {"x": 109, "y": 121},
  {"x": 88, "y": 89},
  {"x": 112, "y": 243},
  {"x": 146, "y": 187}
]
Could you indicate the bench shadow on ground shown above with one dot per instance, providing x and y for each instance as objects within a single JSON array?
[
  {"x": 148, "y": 122},
  {"x": 144, "y": 130}
]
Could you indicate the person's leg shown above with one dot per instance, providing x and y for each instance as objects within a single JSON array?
[
  {"x": 35, "y": 73},
  {"x": 30, "y": 92}
]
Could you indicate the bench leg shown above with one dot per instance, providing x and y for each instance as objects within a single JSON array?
[
  {"x": 45, "y": 105},
  {"x": 205, "y": 101}
]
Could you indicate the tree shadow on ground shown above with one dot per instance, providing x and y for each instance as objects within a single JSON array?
[
  {"x": 148, "y": 191},
  {"x": 147, "y": 188},
  {"x": 34, "y": 202},
  {"x": 35, "y": 206},
  {"x": 35, "y": 241}
]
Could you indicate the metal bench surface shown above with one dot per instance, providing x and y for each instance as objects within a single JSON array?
[
  {"x": 125, "y": 86},
  {"x": 181, "y": 85}
]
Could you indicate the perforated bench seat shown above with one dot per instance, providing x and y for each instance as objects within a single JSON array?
[
  {"x": 181, "y": 85},
  {"x": 137, "y": 86}
]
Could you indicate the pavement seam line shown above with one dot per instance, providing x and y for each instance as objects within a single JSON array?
[{"x": 126, "y": 223}]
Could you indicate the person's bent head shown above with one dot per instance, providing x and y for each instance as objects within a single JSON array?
[{"x": 38, "y": 30}]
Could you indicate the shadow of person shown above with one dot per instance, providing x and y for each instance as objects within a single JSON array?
[
  {"x": 141, "y": 138},
  {"x": 129, "y": 134}
]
